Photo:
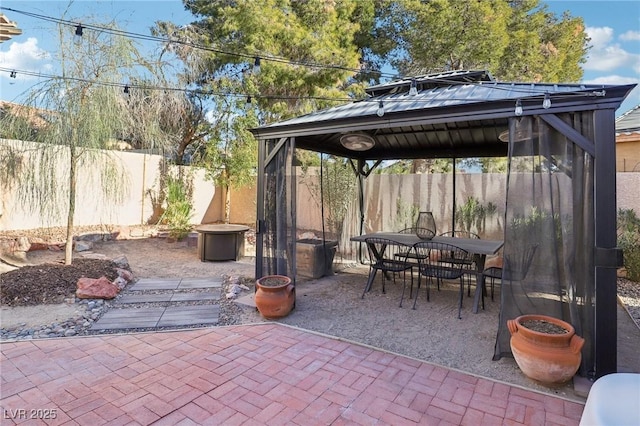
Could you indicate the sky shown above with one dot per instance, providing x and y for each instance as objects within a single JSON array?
[{"x": 613, "y": 26}]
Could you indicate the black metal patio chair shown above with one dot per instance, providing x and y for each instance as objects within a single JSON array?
[
  {"x": 469, "y": 264},
  {"x": 431, "y": 266},
  {"x": 513, "y": 267},
  {"x": 382, "y": 255}
]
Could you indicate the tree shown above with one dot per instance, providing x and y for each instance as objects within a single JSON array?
[
  {"x": 85, "y": 110},
  {"x": 231, "y": 150},
  {"x": 514, "y": 39},
  {"x": 288, "y": 38}
]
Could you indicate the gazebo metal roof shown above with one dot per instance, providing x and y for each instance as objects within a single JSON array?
[{"x": 454, "y": 114}]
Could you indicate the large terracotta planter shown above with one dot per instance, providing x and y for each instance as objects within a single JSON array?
[
  {"x": 550, "y": 359},
  {"x": 275, "y": 296}
]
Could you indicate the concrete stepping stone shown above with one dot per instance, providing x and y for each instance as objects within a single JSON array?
[
  {"x": 116, "y": 319},
  {"x": 189, "y": 315},
  {"x": 191, "y": 283},
  {"x": 164, "y": 316},
  {"x": 156, "y": 284}
]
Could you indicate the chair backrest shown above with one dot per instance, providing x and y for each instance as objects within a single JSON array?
[
  {"x": 430, "y": 255},
  {"x": 516, "y": 265},
  {"x": 385, "y": 249},
  {"x": 460, "y": 234}
]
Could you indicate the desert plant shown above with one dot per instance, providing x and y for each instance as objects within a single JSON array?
[
  {"x": 179, "y": 206},
  {"x": 629, "y": 241},
  {"x": 474, "y": 214},
  {"x": 406, "y": 214}
]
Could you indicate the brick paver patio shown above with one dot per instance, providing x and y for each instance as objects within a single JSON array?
[{"x": 251, "y": 374}]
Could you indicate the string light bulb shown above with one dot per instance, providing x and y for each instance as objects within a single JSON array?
[
  {"x": 256, "y": 65},
  {"x": 77, "y": 39},
  {"x": 13, "y": 74},
  {"x": 518, "y": 110},
  {"x": 546, "y": 104},
  {"x": 248, "y": 103},
  {"x": 380, "y": 110},
  {"x": 126, "y": 89},
  {"x": 413, "y": 90}
]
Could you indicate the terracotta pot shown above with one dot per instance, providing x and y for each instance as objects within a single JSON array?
[
  {"x": 551, "y": 359},
  {"x": 275, "y": 296}
]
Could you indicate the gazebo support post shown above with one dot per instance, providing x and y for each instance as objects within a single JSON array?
[{"x": 606, "y": 256}]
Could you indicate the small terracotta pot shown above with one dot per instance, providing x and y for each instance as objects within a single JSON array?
[
  {"x": 550, "y": 359},
  {"x": 274, "y": 300}
]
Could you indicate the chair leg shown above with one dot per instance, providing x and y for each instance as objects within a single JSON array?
[
  {"x": 411, "y": 288},
  {"x": 404, "y": 284},
  {"x": 461, "y": 294},
  {"x": 493, "y": 280}
]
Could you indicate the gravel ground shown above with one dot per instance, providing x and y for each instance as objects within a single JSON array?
[
  {"x": 629, "y": 295},
  {"x": 334, "y": 306}
]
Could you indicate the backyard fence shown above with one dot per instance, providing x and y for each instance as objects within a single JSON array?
[{"x": 391, "y": 200}]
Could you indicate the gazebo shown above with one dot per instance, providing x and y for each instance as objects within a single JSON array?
[{"x": 561, "y": 185}]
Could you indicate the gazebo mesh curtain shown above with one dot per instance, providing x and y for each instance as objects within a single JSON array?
[
  {"x": 550, "y": 207},
  {"x": 279, "y": 210}
]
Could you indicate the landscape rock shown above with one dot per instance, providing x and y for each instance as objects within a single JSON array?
[
  {"x": 121, "y": 261},
  {"x": 83, "y": 245},
  {"x": 125, "y": 274},
  {"x": 36, "y": 245},
  {"x": 101, "y": 288},
  {"x": 120, "y": 282}
]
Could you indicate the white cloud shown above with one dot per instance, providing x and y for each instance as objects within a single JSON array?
[
  {"x": 630, "y": 36},
  {"x": 612, "y": 79},
  {"x": 26, "y": 56},
  {"x": 605, "y": 55},
  {"x": 600, "y": 36}
]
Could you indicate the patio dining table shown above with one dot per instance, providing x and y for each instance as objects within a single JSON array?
[{"x": 478, "y": 247}]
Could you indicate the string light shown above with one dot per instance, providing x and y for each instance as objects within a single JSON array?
[
  {"x": 247, "y": 55},
  {"x": 546, "y": 104},
  {"x": 518, "y": 110},
  {"x": 77, "y": 38},
  {"x": 413, "y": 90},
  {"x": 256, "y": 66},
  {"x": 138, "y": 36},
  {"x": 248, "y": 103},
  {"x": 380, "y": 111},
  {"x": 126, "y": 89}
]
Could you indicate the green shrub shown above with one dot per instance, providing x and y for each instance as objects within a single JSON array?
[
  {"x": 629, "y": 241},
  {"x": 177, "y": 214}
]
